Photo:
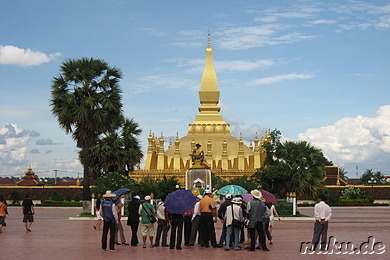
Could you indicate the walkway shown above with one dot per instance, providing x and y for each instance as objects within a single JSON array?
[{"x": 53, "y": 236}]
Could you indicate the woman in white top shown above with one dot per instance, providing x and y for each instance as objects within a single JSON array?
[{"x": 272, "y": 218}]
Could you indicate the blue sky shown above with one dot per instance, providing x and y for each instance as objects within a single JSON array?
[{"x": 315, "y": 70}]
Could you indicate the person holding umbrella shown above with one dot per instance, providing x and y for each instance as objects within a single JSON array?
[
  {"x": 195, "y": 228},
  {"x": 110, "y": 220},
  {"x": 176, "y": 231},
  {"x": 233, "y": 211},
  {"x": 256, "y": 211}
]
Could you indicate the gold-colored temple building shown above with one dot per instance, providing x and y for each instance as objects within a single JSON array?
[{"x": 225, "y": 155}]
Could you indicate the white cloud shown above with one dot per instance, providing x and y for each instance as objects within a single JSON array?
[
  {"x": 239, "y": 38},
  {"x": 279, "y": 78},
  {"x": 249, "y": 134},
  {"x": 243, "y": 65},
  {"x": 147, "y": 83},
  {"x": 13, "y": 146},
  {"x": 197, "y": 65},
  {"x": 24, "y": 57},
  {"x": 355, "y": 140},
  {"x": 224, "y": 107},
  {"x": 234, "y": 121},
  {"x": 324, "y": 21}
]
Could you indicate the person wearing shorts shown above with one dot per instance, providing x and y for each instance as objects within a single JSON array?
[
  {"x": 145, "y": 210},
  {"x": 28, "y": 212}
]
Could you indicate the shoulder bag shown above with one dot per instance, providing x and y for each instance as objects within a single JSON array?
[
  {"x": 152, "y": 218},
  {"x": 236, "y": 222}
]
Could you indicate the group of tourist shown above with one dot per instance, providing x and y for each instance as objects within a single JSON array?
[
  {"x": 195, "y": 225},
  {"x": 28, "y": 212}
]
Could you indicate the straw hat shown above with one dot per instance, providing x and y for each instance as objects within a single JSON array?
[
  {"x": 109, "y": 194},
  {"x": 257, "y": 194}
]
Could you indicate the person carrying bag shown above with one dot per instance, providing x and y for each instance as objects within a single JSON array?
[{"x": 234, "y": 223}]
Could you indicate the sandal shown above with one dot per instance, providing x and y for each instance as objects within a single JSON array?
[{"x": 143, "y": 246}]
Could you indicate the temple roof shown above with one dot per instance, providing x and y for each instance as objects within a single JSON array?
[{"x": 29, "y": 179}]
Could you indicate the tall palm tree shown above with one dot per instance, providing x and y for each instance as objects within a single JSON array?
[
  {"x": 86, "y": 99},
  {"x": 118, "y": 150},
  {"x": 307, "y": 164}
]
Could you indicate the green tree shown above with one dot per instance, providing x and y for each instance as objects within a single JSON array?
[
  {"x": 374, "y": 177},
  {"x": 343, "y": 174},
  {"x": 86, "y": 99},
  {"x": 166, "y": 186},
  {"x": 292, "y": 166},
  {"x": 244, "y": 181},
  {"x": 218, "y": 182},
  {"x": 113, "y": 181},
  {"x": 118, "y": 150}
]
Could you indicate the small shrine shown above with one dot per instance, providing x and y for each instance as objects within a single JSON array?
[{"x": 29, "y": 179}]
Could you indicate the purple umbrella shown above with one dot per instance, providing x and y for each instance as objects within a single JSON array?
[
  {"x": 268, "y": 197},
  {"x": 247, "y": 197},
  {"x": 180, "y": 201}
]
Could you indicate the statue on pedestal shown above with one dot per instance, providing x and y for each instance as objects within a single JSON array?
[{"x": 197, "y": 156}]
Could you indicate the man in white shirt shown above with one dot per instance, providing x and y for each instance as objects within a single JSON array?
[
  {"x": 322, "y": 215},
  {"x": 196, "y": 222}
]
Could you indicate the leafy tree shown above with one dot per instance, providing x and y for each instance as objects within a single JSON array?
[
  {"x": 375, "y": 177},
  {"x": 166, "y": 186},
  {"x": 218, "y": 182},
  {"x": 159, "y": 187},
  {"x": 292, "y": 166},
  {"x": 343, "y": 174},
  {"x": 244, "y": 181},
  {"x": 113, "y": 181},
  {"x": 118, "y": 150},
  {"x": 86, "y": 100}
]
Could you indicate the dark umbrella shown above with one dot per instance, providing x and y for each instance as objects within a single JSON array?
[
  {"x": 269, "y": 197},
  {"x": 179, "y": 201},
  {"x": 121, "y": 191}
]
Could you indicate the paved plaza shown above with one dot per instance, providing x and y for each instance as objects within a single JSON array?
[{"x": 54, "y": 236}]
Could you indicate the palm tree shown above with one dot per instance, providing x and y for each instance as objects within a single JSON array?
[
  {"x": 86, "y": 99},
  {"x": 307, "y": 165},
  {"x": 118, "y": 150},
  {"x": 292, "y": 166}
]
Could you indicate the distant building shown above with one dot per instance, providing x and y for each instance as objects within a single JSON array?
[
  {"x": 332, "y": 177},
  {"x": 29, "y": 179},
  {"x": 6, "y": 182}
]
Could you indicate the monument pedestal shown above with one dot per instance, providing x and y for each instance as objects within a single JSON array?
[{"x": 198, "y": 178}]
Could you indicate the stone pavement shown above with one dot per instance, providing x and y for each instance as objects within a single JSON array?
[{"x": 53, "y": 236}]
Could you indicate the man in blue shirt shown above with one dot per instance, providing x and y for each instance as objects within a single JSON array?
[{"x": 110, "y": 220}]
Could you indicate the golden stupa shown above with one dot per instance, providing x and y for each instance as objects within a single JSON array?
[{"x": 225, "y": 155}]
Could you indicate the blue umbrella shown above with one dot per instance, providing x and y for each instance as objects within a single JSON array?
[
  {"x": 180, "y": 201},
  {"x": 121, "y": 191}
]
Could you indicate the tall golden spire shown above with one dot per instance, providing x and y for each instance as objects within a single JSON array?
[
  {"x": 209, "y": 120},
  {"x": 209, "y": 78}
]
